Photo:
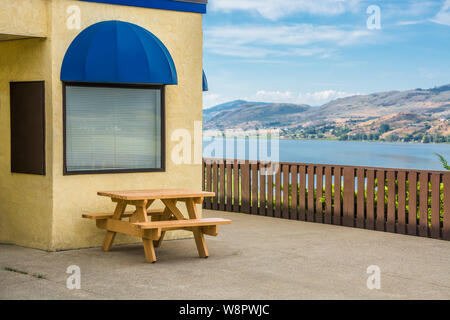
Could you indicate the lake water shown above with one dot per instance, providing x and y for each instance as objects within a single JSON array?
[{"x": 373, "y": 154}]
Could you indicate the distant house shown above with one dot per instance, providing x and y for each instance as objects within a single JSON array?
[
  {"x": 90, "y": 94},
  {"x": 419, "y": 125}
]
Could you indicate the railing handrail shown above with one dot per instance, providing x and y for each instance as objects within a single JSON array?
[{"x": 327, "y": 165}]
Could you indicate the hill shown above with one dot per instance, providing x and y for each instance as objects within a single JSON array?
[
  {"x": 250, "y": 115},
  {"x": 420, "y": 115}
]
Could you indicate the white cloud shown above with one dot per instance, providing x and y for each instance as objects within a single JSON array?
[
  {"x": 312, "y": 98},
  {"x": 213, "y": 99},
  {"x": 276, "y": 9},
  {"x": 410, "y": 22},
  {"x": 408, "y": 9},
  {"x": 443, "y": 16},
  {"x": 315, "y": 98},
  {"x": 432, "y": 74},
  {"x": 417, "y": 9},
  {"x": 246, "y": 51},
  {"x": 258, "y": 41},
  {"x": 274, "y": 96},
  {"x": 288, "y": 35}
]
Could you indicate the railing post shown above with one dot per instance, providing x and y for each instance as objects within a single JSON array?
[
  {"x": 349, "y": 197},
  {"x": 293, "y": 214},
  {"x": 390, "y": 221},
  {"x": 328, "y": 194},
  {"x": 401, "y": 225},
  {"x": 222, "y": 185},
  {"x": 208, "y": 183},
  {"x": 435, "y": 205},
  {"x": 319, "y": 194},
  {"x": 337, "y": 196},
  {"x": 370, "y": 206},
  {"x": 302, "y": 194},
  {"x": 310, "y": 212},
  {"x": 254, "y": 188},
  {"x": 285, "y": 213},
  {"x": 245, "y": 185},
  {"x": 379, "y": 224},
  {"x": 215, "y": 182},
  {"x": 203, "y": 181},
  {"x": 412, "y": 207},
  {"x": 278, "y": 192},
  {"x": 269, "y": 179},
  {"x": 446, "y": 224},
  {"x": 423, "y": 204},
  {"x": 360, "y": 199},
  {"x": 262, "y": 189},
  {"x": 229, "y": 185},
  {"x": 236, "y": 185}
]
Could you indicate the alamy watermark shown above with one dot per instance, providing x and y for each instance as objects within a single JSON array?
[
  {"x": 74, "y": 280},
  {"x": 374, "y": 19},
  {"x": 374, "y": 280},
  {"x": 73, "y": 21},
  {"x": 251, "y": 145}
]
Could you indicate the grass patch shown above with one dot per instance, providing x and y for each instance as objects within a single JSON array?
[
  {"x": 36, "y": 275},
  {"x": 15, "y": 270}
]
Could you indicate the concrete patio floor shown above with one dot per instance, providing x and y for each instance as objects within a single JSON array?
[{"x": 253, "y": 258}]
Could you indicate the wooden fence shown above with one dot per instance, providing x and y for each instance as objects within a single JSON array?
[{"x": 415, "y": 202}]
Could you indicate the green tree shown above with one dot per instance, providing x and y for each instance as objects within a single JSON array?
[
  {"x": 393, "y": 137},
  {"x": 384, "y": 127},
  {"x": 408, "y": 137},
  {"x": 443, "y": 161}
]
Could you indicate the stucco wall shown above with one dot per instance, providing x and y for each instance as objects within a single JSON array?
[
  {"x": 24, "y": 17},
  {"x": 182, "y": 34},
  {"x": 25, "y": 200},
  {"x": 45, "y": 211}
]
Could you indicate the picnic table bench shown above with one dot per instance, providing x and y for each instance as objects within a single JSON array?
[{"x": 152, "y": 230}]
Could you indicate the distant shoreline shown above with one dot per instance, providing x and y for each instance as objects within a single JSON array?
[{"x": 324, "y": 139}]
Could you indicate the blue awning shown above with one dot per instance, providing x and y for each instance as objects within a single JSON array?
[
  {"x": 118, "y": 52},
  {"x": 205, "y": 82}
]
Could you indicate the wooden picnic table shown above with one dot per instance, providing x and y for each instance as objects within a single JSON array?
[{"x": 152, "y": 230}]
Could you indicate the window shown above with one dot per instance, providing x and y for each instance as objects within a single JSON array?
[
  {"x": 27, "y": 127},
  {"x": 111, "y": 128}
]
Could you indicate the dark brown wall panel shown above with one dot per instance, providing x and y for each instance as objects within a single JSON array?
[{"x": 27, "y": 127}]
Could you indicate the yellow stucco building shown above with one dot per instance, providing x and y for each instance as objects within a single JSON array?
[{"x": 42, "y": 199}]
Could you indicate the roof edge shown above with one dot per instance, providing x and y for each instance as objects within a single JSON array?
[{"x": 195, "y": 6}]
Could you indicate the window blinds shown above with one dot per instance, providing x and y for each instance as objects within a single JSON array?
[{"x": 112, "y": 128}]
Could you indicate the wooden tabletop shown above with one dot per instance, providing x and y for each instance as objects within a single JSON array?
[{"x": 155, "y": 194}]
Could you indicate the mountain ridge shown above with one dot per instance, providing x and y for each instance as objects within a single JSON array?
[{"x": 424, "y": 112}]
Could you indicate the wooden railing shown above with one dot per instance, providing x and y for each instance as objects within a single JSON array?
[{"x": 415, "y": 202}]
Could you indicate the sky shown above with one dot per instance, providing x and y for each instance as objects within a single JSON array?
[{"x": 314, "y": 51}]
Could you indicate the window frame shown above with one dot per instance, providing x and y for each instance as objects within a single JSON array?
[{"x": 161, "y": 88}]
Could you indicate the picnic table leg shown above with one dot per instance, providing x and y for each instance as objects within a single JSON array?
[
  {"x": 172, "y": 206},
  {"x": 149, "y": 250},
  {"x": 198, "y": 234},
  {"x": 166, "y": 216},
  {"x": 140, "y": 215},
  {"x": 110, "y": 235}
]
